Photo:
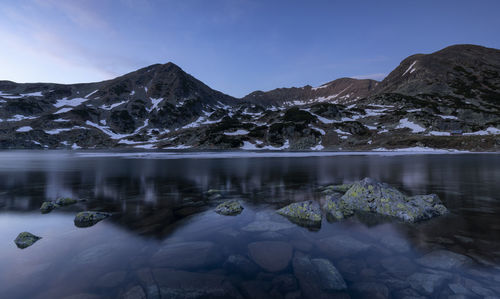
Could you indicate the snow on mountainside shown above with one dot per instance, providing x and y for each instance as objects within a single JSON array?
[{"x": 448, "y": 100}]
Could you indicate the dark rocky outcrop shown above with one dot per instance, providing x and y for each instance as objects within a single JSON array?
[
  {"x": 89, "y": 218},
  {"x": 26, "y": 239}
]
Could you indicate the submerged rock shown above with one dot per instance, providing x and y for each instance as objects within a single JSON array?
[
  {"x": 230, "y": 207},
  {"x": 306, "y": 213},
  {"x": 372, "y": 196},
  {"x": 444, "y": 259},
  {"x": 65, "y": 201},
  {"x": 89, "y": 218},
  {"x": 240, "y": 264},
  {"x": 26, "y": 239},
  {"x": 317, "y": 277},
  {"x": 213, "y": 194},
  {"x": 47, "y": 207},
  {"x": 188, "y": 255},
  {"x": 272, "y": 256},
  {"x": 341, "y": 246}
]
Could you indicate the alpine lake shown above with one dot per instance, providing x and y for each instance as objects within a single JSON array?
[{"x": 163, "y": 238}]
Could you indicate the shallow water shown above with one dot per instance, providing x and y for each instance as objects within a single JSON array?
[{"x": 163, "y": 235}]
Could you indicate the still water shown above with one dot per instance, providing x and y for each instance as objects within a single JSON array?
[{"x": 164, "y": 239}]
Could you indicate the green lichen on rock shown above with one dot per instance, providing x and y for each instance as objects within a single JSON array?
[
  {"x": 230, "y": 207},
  {"x": 65, "y": 201},
  {"x": 305, "y": 213},
  {"x": 26, "y": 239},
  {"x": 337, "y": 188},
  {"x": 336, "y": 209},
  {"x": 89, "y": 218},
  {"x": 47, "y": 207},
  {"x": 372, "y": 196}
]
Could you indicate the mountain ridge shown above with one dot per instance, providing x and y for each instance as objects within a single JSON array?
[{"x": 419, "y": 104}]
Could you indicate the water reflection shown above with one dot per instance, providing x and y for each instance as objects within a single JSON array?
[{"x": 156, "y": 203}]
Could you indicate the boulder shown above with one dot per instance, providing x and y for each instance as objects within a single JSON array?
[
  {"x": 306, "y": 213},
  {"x": 65, "y": 201},
  {"x": 444, "y": 259},
  {"x": 337, "y": 188},
  {"x": 47, "y": 207},
  {"x": 183, "y": 284},
  {"x": 427, "y": 283},
  {"x": 26, "y": 239},
  {"x": 372, "y": 196},
  {"x": 335, "y": 208},
  {"x": 317, "y": 277},
  {"x": 187, "y": 255},
  {"x": 239, "y": 264},
  {"x": 370, "y": 290},
  {"x": 230, "y": 207},
  {"x": 341, "y": 246},
  {"x": 272, "y": 256},
  {"x": 89, "y": 218}
]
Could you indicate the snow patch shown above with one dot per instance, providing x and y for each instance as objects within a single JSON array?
[
  {"x": 405, "y": 123},
  {"x": 91, "y": 93},
  {"x": 488, "y": 131},
  {"x": 447, "y": 116},
  {"x": 317, "y": 147},
  {"x": 238, "y": 132},
  {"x": 24, "y": 129},
  {"x": 110, "y": 107},
  {"x": 69, "y": 102},
  {"x": 408, "y": 70},
  {"x": 63, "y": 110}
]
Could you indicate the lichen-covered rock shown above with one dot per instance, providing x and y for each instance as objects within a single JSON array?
[
  {"x": 306, "y": 213},
  {"x": 335, "y": 208},
  {"x": 65, "y": 201},
  {"x": 26, "y": 239},
  {"x": 230, "y": 207},
  {"x": 372, "y": 196},
  {"x": 47, "y": 207},
  {"x": 337, "y": 188},
  {"x": 89, "y": 218}
]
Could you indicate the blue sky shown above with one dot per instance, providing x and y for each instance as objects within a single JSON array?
[{"x": 235, "y": 46}]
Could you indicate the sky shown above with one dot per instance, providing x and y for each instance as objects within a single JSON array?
[{"x": 234, "y": 46}]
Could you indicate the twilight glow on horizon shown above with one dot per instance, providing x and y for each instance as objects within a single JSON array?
[{"x": 235, "y": 46}]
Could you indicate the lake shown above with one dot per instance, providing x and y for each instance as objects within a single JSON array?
[{"x": 163, "y": 238}]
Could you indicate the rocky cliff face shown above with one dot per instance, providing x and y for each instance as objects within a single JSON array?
[{"x": 424, "y": 102}]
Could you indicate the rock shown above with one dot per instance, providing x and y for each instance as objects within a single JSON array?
[
  {"x": 89, "y": 218},
  {"x": 266, "y": 226},
  {"x": 444, "y": 259},
  {"x": 183, "y": 284},
  {"x": 272, "y": 256},
  {"x": 341, "y": 245},
  {"x": 317, "y": 277},
  {"x": 426, "y": 283},
  {"x": 372, "y": 196},
  {"x": 26, "y": 239},
  {"x": 239, "y": 264},
  {"x": 136, "y": 292},
  {"x": 337, "y": 188},
  {"x": 336, "y": 209},
  {"x": 47, "y": 207},
  {"x": 65, "y": 201},
  {"x": 395, "y": 243},
  {"x": 213, "y": 194},
  {"x": 146, "y": 279},
  {"x": 255, "y": 289},
  {"x": 306, "y": 213},
  {"x": 111, "y": 280},
  {"x": 187, "y": 255},
  {"x": 230, "y": 207},
  {"x": 398, "y": 266},
  {"x": 285, "y": 283},
  {"x": 370, "y": 290}
]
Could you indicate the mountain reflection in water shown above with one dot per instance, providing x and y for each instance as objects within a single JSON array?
[{"x": 160, "y": 202}]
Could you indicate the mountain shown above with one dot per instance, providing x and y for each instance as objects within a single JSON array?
[
  {"x": 344, "y": 90},
  {"x": 447, "y": 99}
]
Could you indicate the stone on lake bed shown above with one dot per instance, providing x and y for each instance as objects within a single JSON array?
[
  {"x": 272, "y": 256},
  {"x": 372, "y": 196},
  {"x": 26, "y": 239},
  {"x": 65, "y": 201},
  {"x": 47, "y": 207},
  {"x": 188, "y": 255},
  {"x": 444, "y": 259},
  {"x": 89, "y": 218},
  {"x": 306, "y": 213},
  {"x": 230, "y": 207}
]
